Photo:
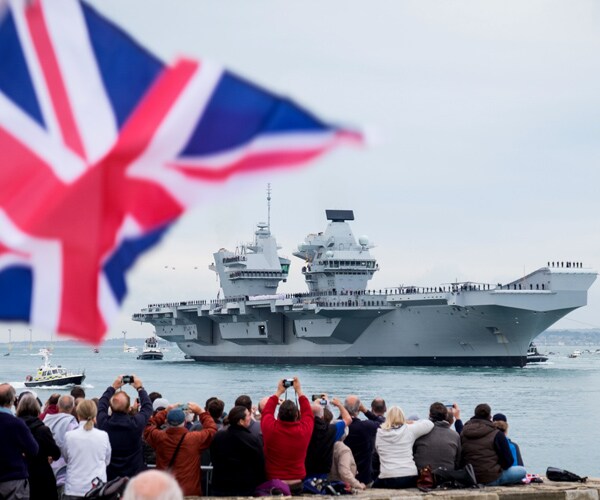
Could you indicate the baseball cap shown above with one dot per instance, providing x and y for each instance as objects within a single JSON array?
[
  {"x": 175, "y": 417},
  {"x": 499, "y": 416},
  {"x": 160, "y": 404}
]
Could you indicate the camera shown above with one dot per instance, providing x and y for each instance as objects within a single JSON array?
[
  {"x": 323, "y": 402},
  {"x": 449, "y": 406},
  {"x": 127, "y": 379},
  {"x": 288, "y": 382},
  {"x": 315, "y": 397},
  {"x": 184, "y": 407}
]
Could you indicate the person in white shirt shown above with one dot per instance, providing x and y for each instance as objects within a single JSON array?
[
  {"x": 87, "y": 452},
  {"x": 394, "y": 444}
]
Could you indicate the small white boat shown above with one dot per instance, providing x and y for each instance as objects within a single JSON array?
[
  {"x": 575, "y": 354},
  {"x": 151, "y": 349},
  {"x": 50, "y": 375}
]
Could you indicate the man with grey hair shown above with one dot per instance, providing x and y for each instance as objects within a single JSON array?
[
  {"x": 361, "y": 439},
  {"x": 153, "y": 485},
  {"x": 18, "y": 444},
  {"x": 60, "y": 423}
]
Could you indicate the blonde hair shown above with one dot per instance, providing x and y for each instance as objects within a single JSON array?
[
  {"x": 87, "y": 410},
  {"x": 393, "y": 418}
]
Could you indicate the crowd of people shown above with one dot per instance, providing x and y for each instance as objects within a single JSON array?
[{"x": 56, "y": 450}]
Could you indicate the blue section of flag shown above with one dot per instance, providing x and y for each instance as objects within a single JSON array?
[
  {"x": 125, "y": 256},
  {"x": 127, "y": 69},
  {"x": 238, "y": 111},
  {"x": 15, "y": 80},
  {"x": 16, "y": 285}
]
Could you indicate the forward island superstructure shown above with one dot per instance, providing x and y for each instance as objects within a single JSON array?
[{"x": 340, "y": 321}]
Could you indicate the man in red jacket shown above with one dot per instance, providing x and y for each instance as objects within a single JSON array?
[{"x": 286, "y": 438}]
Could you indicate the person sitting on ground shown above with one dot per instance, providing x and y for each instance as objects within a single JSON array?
[
  {"x": 86, "y": 451},
  {"x": 486, "y": 449},
  {"x": 377, "y": 412},
  {"x": 178, "y": 449},
  {"x": 286, "y": 438},
  {"x": 245, "y": 401},
  {"x": 59, "y": 424},
  {"x": 394, "y": 445},
  {"x": 41, "y": 478},
  {"x": 361, "y": 439},
  {"x": 18, "y": 444},
  {"x": 237, "y": 457},
  {"x": 500, "y": 423},
  {"x": 124, "y": 430},
  {"x": 319, "y": 455},
  {"x": 343, "y": 466},
  {"x": 441, "y": 446},
  {"x": 153, "y": 485}
]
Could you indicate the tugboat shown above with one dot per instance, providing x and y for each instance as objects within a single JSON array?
[
  {"x": 534, "y": 356},
  {"x": 151, "y": 349},
  {"x": 51, "y": 375}
]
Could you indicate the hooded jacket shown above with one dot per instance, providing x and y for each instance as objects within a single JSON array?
[
  {"x": 59, "y": 424},
  {"x": 395, "y": 448}
]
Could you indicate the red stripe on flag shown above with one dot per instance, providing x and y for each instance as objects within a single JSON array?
[{"x": 56, "y": 87}]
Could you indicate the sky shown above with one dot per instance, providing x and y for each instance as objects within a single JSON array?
[{"x": 483, "y": 122}]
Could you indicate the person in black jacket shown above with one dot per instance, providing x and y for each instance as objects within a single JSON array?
[
  {"x": 42, "y": 483},
  {"x": 124, "y": 430},
  {"x": 237, "y": 457}
]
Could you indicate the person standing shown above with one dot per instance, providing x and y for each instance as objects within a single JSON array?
[
  {"x": 59, "y": 424},
  {"x": 178, "y": 449},
  {"x": 87, "y": 452},
  {"x": 42, "y": 482},
  {"x": 17, "y": 444},
  {"x": 124, "y": 430}
]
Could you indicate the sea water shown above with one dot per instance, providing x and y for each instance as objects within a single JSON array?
[{"x": 553, "y": 409}]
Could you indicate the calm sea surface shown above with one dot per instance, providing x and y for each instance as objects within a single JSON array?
[{"x": 553, "y": 409}]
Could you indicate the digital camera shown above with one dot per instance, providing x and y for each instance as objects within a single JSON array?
[
  {"x": 127, "y": 379},
  {"x": 288, "y": 382}
]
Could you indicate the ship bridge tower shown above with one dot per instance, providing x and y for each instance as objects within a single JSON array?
[
  {"x": 254, "y": 268},
  {"x": 334, "y": 260}
]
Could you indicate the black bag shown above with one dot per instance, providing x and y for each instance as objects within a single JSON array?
[
  {"x": 454, "y": 479},
  {"x": 556, "y": 474},
  {"x": 112, "y": 490}
]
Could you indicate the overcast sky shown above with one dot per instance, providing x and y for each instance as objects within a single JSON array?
[{"x": 484, "y": 119}]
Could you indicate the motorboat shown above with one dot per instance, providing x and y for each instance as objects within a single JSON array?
[
  {"x": 575, "y": 354},
  {"x": 534, "y": 356},
  {"x": 51, "y": 375},
  {"x": 151, "y": 349}
]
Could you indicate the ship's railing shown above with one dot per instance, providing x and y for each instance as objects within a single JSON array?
[{"x": 366, "y": 298}]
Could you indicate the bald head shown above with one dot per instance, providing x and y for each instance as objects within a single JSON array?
[
  {"x": 352, "y": 404},
  {"x": 120, "y": 402},
  {"x": 66, "y": 403},
  {"x": 317, "y": 409},
  {"x": 7, "y": 395},
  {"x": 153, "y": 485}
]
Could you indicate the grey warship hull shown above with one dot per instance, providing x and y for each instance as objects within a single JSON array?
[{"x": 466, "y": 326}]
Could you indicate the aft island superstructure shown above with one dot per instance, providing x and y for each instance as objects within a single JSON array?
[{"x": 339, "y": 321}]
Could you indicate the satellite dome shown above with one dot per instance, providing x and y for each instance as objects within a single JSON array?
[
  {"x": 363, "y": 241},
  {"x": 329, "y": 254}
]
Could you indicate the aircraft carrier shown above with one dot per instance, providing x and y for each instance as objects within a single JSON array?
[{"x": 340, "y": 321}]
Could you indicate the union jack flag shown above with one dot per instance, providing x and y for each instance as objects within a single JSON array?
[{"x": 104, "y": 146}]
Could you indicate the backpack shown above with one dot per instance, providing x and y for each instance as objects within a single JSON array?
[
  {"x": 273, "y": 488},
  {"x": 112, "y": 490},
  {"x": 556, "y": 474},
  {"x": 323, "y": 486}
]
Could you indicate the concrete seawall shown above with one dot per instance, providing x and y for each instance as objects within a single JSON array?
[{"x": 548, "y": 490}]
